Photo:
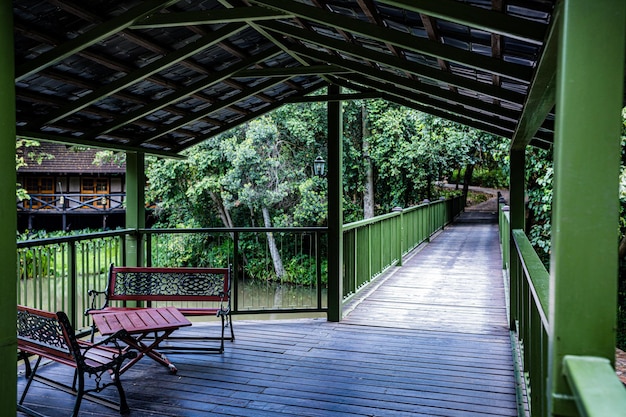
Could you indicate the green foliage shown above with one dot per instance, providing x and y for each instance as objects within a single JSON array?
[
  {"x": 266, "y": 166},
  {"x": 26, "y": 148},
  {"x": 539, "y": 176},
  {"x": 196, "y": 249}
]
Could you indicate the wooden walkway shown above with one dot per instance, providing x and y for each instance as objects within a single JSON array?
[{"x": 431, "y": 340}]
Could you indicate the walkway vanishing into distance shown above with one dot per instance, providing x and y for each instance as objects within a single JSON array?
[{"x": 431, "y": 339}]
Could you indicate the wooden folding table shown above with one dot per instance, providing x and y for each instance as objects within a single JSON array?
[{"x": 141, "y": 323}]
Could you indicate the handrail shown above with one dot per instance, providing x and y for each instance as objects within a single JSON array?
[
  {"x": 372, "y": 246},
  {"x": 55, "y": 273},
  {"x": 597, "y": 390},
  {"x": 73, "y": 202},
  {"x": 73, "y": 238},
  {"x": 535, "y": 272}
]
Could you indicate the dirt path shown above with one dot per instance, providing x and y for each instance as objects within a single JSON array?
[{"x": 491, "y": 205}]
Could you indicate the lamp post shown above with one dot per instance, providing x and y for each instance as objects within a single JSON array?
[{"x": 318, "y": 166}]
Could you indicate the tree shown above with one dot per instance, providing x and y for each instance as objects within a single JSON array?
[{"x": 27, "y": 149}]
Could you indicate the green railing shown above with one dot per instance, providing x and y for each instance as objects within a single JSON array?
[
  {"x": 256, "y": 288},
  {"x": 372, "y": 246},
  {"x": 595, "y": 387},
  {"x": 55, "y": 274}
]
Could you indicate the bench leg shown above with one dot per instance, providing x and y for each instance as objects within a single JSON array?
[
  {"x": 31, "y": 377},
  {"x": 80, "y": 391},
  {"x": 124, "y": 408},
  {"x": 230, "y": 324}
]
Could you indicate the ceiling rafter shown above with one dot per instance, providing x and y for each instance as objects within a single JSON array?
[
  {"x": 400, "y": 39},
  {"x": 389, "y": 77},
  {"x": 393, "y": 62},
  {"x": 430, "y": 26},
  {"x": 200, "y": 114},
  {"x": 89, "y": 38},
  {"x": 541, "y": 98},
  {"x": 470, "y": 105},
  {"x": 145, "y": 71},
  {"x": 209, "y": 17},
  {"x": 127, "y": 74},
  {"x": 436, "y": 105},
  {"x": 404, "y": 101},
  {"x": 475, "y": 17},
  {"x": 182, "y": 93},
  {"x": 259, "y": 113},
  {"x": 118, "y": 66}
]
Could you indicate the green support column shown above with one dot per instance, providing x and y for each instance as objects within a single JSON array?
[
  {"x": 335, "y": 207},
  {"x": 135, "y": 206},
  {"x": 517, "y": 211},
  {"x": 583, "y": 272},
  {"x": 8, "y": 225}
]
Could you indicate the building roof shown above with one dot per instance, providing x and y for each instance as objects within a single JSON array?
[
  {"x": 159, "y": 76},
  {"x": 67, "y": 160}
]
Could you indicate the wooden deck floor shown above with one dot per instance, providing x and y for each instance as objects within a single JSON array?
[{"x": 431, "y": 340}]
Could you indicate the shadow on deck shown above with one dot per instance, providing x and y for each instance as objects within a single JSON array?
[{"x": 430, "y": 340}]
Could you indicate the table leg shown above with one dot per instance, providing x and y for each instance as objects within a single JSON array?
[{"x": 149, "y": 350}]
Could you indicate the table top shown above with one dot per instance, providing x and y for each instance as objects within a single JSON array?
[{"x": 140, "y": 320}]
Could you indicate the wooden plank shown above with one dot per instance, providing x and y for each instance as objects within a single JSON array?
[{"x": 431, "y": 341}]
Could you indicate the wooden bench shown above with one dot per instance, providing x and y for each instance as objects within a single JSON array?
[
  {"x": 50, "y": 335},
  {"x": 160, "y": 286}
]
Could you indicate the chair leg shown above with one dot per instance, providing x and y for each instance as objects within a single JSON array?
[
  {"x": 230, "y": 324},
  {"x": 93, "y": 331},
  {"x": 30, "y": 379},
  {"x": 124, "y": 408},
  {"x": 79, "y": 393},
  {"x": 222, "y": 338}
]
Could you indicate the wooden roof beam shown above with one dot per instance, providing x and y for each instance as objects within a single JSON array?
[
  {"x": 475, "y": 17},
  {"x": 542, "y": 93},
  {"x": 388, "y": 60},
  {"x": 89, "y": 38},
  {"x": 182, "y": 93},
  {"x": 402, "y": 40}
]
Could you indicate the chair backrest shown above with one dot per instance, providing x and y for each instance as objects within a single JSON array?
[
  {"x": 41, "y": 332},
  {"x": 182, "y": 284}
]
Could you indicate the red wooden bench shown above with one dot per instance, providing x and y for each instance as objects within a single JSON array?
[
  {"x": 158, "y": 287},
  {"x": 50, "y": 335}
]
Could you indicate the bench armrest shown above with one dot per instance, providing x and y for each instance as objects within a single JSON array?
[
  {"x": 94, "y": 295},
  {"x": 111, "y": 344}
]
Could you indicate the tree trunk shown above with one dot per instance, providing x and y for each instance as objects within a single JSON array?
[
  {"x": 469, "y": 170},
  {"x": 368, "y": 192},
  {"x": 226, "y": 220},
  {"x": 222, "y": 210},
  {"x": 278, "y": 262}
]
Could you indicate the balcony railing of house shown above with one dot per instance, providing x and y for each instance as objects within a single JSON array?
[
  {"x": 72, "y": 202},
  {"x": 56, "y": 273},
  {"x": 595, "y": 387}
]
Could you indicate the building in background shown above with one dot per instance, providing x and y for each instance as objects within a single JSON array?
[{"x": 70, "y": 192}]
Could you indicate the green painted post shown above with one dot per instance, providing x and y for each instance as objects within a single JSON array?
[
  {"x": 517, "y": 218},
  {"x": 584, "y": 262},
  {"x": 8, "y": 225},
  {"x": 135, "y": 206},
  {"x": 400, "y": 234},
  {"x": 335, "y": 207}
]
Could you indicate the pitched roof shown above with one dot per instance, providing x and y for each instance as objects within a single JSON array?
[
  {"x": 162, "y": 75},
  {"x": 67, "y": 160}
]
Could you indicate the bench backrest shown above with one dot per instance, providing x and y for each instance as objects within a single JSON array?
[
  {"x": 168, "y": 284},
  {"x": 45, "y": 333}
]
